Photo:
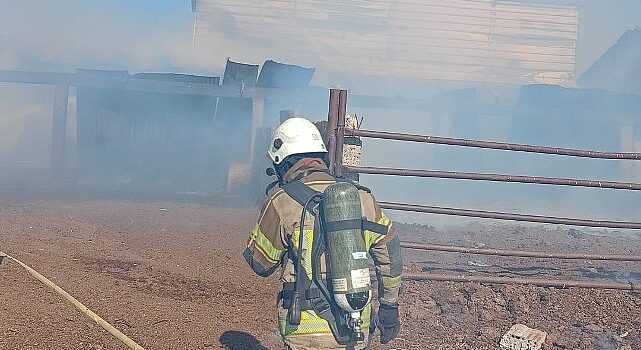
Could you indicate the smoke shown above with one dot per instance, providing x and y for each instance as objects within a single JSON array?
[
  {"x": 67, "y": 34},
  {"x": 139, "y": 36},
  {"x": 61, "y": 36}
]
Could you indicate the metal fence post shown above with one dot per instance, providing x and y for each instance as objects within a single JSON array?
[
  {"x": 332, "y": 122},
  {"x": 340, "y": 133}
]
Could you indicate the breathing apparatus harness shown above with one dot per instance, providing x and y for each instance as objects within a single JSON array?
[{"x": 339, "y": 234}]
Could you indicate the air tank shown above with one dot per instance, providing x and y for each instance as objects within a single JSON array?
[{"x": 345, "y": 248}]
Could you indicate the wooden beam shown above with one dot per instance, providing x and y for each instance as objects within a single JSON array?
[
  {"x": 154, "y": 86},
  {"x": 59, "y": 128},
  {"x": 128, "y": 84},
  {"x": 258, "y": 119}
]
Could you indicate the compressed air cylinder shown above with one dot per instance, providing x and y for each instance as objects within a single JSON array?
[{"x": 346, "y": 252}]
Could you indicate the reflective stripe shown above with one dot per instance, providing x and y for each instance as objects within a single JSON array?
[
  {"x": 384, "y": 220},
  {"x": 307, "y": 249},
  {"x": 391, "y": 282},
  {"x": 372, "y": 238},
  {"x": 311, "y": 323},
  {"x": 265, "y": 245}
]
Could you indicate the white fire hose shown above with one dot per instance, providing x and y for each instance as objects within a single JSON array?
[{"x": 85, "y": 310}]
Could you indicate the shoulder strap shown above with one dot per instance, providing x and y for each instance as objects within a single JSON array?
[{"x": 299, "y": 191}]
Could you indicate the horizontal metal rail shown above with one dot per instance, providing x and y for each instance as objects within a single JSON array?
[
  {"x": 493, "y": 145},
  {"x": 542, "y": 282},
  {"x": 494, "y": 177},
  {"x": 509, "y": 216},
  {"x": 517, "y": 253}
]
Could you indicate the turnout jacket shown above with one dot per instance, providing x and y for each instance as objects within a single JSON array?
[{"x": 279, "y": 224}]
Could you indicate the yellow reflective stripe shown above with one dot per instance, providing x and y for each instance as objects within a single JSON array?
[
  {"x": 265, "y": 245},
  {"x": 311, "y": 323},
  {"x": 391, "y": 282},
  {"x": 372, "y": 238},
  {"x": 307, "y": 249},
  {"x": 384, "y": 220}
]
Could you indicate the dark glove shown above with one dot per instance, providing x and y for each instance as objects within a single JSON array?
[{"x": 388, "y": 322}]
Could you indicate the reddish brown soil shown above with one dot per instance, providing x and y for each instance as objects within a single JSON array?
[{"x": 171, "y": 276}]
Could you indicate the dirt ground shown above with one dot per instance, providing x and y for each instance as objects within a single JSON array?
[{"x": 171, "y": 276}]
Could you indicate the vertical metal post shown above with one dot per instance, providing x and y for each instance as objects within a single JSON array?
[
  {"x": 340, "y": 133},
  {"x": 59, "y": 128},
  {"x": 332, "y": 126}
]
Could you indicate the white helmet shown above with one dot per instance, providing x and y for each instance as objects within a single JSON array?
[{"x": 295, "y": 136}]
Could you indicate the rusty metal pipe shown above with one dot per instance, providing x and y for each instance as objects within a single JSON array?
[
  {"x": 493, "y": 145},
  {"x": 542, "y": 282},
  {"x": 509, "y": 216},
  {"x": 517, "y": 253},
  {"x": 332, "y": 122},
  {"x": 340, "y": 133},
  {"x": 494, "y": 177}
]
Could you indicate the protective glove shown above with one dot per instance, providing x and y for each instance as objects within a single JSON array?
[{"x": 388, "y": 322}]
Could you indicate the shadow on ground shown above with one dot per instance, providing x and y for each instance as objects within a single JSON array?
[{"x": 235, "y": 340}]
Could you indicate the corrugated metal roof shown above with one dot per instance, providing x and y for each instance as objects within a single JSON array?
[{"x": 469, "y": 40}]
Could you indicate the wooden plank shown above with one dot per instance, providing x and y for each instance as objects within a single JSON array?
[
  {"x": 552, "y": 56},
  {"x": 366, "y": 48},
  {"x": 409, "y": 36},
  {"x": 435, "y": 72},
  {"x": 384, "y": 7},
  {"x": 429, "y": 22},
  {"x": 487, "y": 13},
  {"x": 257, "y": 25}
]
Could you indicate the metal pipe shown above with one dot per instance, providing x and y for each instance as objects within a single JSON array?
[
  {"x": 340, "y": 133},
  {"x": 509, "y": 216},
  {"x": 542, "y": 282},
  {"x": 494, "y": 177},
  {"x": 518, "y": 253},
  {"x": 493, "y": 145},
  {"x": 332, "y": 122}
]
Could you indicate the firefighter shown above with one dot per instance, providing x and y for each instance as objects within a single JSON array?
[{"x": 298, "y": 152}]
